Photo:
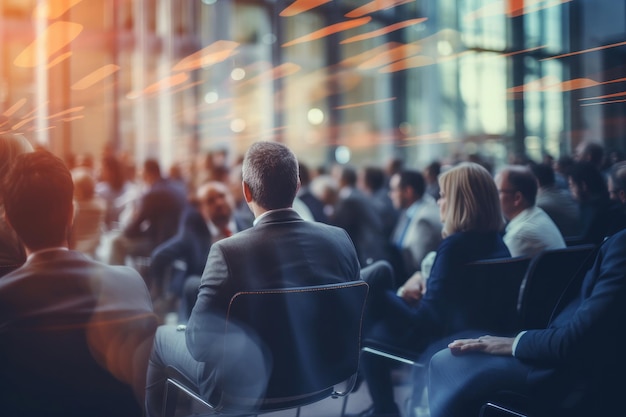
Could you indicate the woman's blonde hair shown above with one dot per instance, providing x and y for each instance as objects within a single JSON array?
[{"x": 472, "y": 201}]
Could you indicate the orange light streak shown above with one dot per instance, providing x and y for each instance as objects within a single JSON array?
[
  {"x": 216, "y": 52},
  {"x": 53, "y": 9},
  {"x": 14, "y": 108},
  {"x": 23, "y": 123},
  {"x": 399, "y": 53},
  {"x": 369, "y": 54},
  {"x": 413, "y": 62},
  {"x": 59, "y": 59},
  {"x": 364, "y": 103},
  {"x": 281, "y": 71},
  {"x": 300, "y": 6},
  {"x": 375, "y": 6},
  {"x": 603, "y": 97},
  {"x": 71, "y": 119},
  {"x": 168, "y": 82},
  {"x": 602, "y": 103},
  {"x": 329, "y": 30},
  {"x": 55, "y": 37},
  {"x": 584, "y": 51},
  {"x": 64, "y": 112},
  {"x": 523, "y": 51},
  {"x": 384, "y": 31},
  {"x": 96, "y": 76}
]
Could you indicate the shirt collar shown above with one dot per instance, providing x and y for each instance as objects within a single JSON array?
[
  {"x": 256, "y": 221},
  {"x": 46, "y": 250}
]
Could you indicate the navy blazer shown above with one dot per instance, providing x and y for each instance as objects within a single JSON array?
[
  {"x": 585, "y": 340},
  {"x": 280, "y": 251},
  {"x": 437, "y": 313}
]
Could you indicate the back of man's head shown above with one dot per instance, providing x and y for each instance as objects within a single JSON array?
[
  {"x": 270, "y": 170},
  {"x": 38, "y": 194},
  {"x": 348, "y": 176},
  {"x": 413, "y": 179},
  {"x": 152, "y": 169},
  {"x": 544, "y": 174},
  {"x": 523, "y": 180},
  {"x": 374, "y": 178}
]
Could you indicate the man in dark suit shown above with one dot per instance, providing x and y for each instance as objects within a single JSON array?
[
  {"x": 154, "y": 220},
  {"x": 355, "y": 214},
  {"x": 75, "y": 334},
  {"x": 184, "y": 256},
  {"x": 280, "y": 250},
  {"x": 581, "y": 351}
]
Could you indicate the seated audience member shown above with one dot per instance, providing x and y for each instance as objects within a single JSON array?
[
  {"x": 75, "y": 334},
  {"x": 359, "y": 218},
  {"x": 572, "y": 368},
  {"x": 556, "y": 202},
  {"x": 590, "y": 152},
  {"x": 599, "y": 216},
  {"x": 12, "y": 254},
  {"x": 280, "y": 251},
  {"x": 412, "y": 320},
  {"x": 89, "y": 212},
  {"x": 418, "y": 230},
  {"x": 431, "y": 173},
  {"x": 155, "y": 219},
  {"x": 373, "y": 183},
  {"x": 114, "y": 189},
  {"x": 316, "y": 207},
  {"x": 212, "y": 221},
  {"x": 617, "y": 183},
  {"x": 530, "y": 230}
]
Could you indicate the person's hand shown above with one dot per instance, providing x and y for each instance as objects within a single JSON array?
[
  {"x": 413, "y": 290},
  {"x": 493, "y": 345}
]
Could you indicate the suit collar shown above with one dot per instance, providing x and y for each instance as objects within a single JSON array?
[{"x": 277, "y": 216}]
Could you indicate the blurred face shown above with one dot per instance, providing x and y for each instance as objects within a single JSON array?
[
  {"x": 507, "y": 196},
  {"x": 401, "y": 197},
  {"x": 574, "y": 189},
  {"x": 216, "y": 204}
]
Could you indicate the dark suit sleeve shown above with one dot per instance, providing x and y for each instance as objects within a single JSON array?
[
  {"x": 142, "y": 213},
  {"x": 588, "y": 330},
  {"x": 206, "y": 319}
]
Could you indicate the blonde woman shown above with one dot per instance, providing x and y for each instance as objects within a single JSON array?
[
  {"x": 12, "y": 254},
  {"x": 472, "y": 223}
]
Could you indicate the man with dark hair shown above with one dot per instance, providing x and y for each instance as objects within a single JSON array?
[
  {"x": 375, "y": 185},
  {"x": 359, "y": 218},
  {"x": 530, "y": 230},
  {"x": 556, "y": 202},
  {"x": 281, "y": 250},
  {"x": 155, "y": 219},
  {"x": 418, "y": 230},
  {"x": 315, "y": 205},
  {"x": 75, "y": 334}
]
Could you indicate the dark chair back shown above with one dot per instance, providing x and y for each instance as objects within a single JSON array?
[
  {"x": 548, "y": 275},
  {"x": 313, "y": 335},
  {"x": 491, "y": 291}
]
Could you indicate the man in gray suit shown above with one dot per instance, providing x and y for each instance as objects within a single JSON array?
[
  {"x": 280, "y": 251},
  {"x": 418, "y": 230}
]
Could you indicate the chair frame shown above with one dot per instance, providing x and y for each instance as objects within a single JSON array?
[{"x": 175, "y": 383}]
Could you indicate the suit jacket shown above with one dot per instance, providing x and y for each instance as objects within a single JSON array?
[
  {"x": 75, "y": 336},
  {"x": 357, "y": 216},
  {"x": 443, "y": 308},
  {"x": 423, "y": 235},
  {"x": 160, "y": 209},
  {"x": 12, "y": 254},
  {"x": 585, "y": 340},
  {"x": 190, "y": 245},
  {"x": 280, "y": 251}
]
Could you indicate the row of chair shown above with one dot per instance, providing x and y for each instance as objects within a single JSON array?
[{"x": 516, "y": 293}]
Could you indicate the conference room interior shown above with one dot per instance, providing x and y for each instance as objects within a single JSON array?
[{"x": 347, "y": 82}]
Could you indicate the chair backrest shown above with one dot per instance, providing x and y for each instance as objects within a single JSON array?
[
  {"x": 548, "y": 275},
  {"x": 313, "y": 335},
  {"x": 490, "y": 291}
]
